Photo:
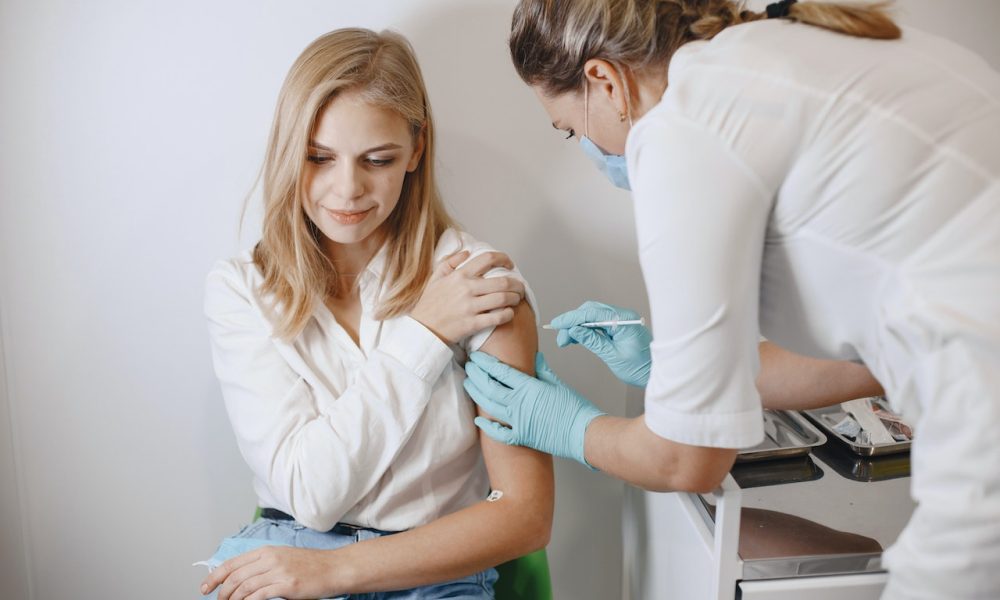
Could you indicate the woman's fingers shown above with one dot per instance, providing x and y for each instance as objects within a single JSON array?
[
  {"x": 448, "y": 265},
  {"x": 274, "y": 590},
  {"x": 491, "y": 302},
  {"x": 252, "y": 585},
  {"x": 492, "y": 285},
  {"x": 223, "y": 571},
  {"x": 459, "y": 302},
  {"x": 235, "y": 587},
  {"x": 455, "y": 260},
  {"x": 485, "y": 262},
  {"x": 493, "y": 318}
]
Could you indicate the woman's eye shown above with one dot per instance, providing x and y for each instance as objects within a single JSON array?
[
  {"x": 570, "y": 134},
  {"x": 380, "y": 162},
  {"x": 319, "y": 160}
]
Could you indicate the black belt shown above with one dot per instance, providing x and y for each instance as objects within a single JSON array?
[{"x": 340, "y": 528}]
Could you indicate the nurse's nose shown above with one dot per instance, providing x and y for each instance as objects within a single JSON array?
[{"x": 349, "y": 181}]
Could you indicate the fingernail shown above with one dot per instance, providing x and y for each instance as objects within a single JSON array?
[{"x": 204, "y": 589}]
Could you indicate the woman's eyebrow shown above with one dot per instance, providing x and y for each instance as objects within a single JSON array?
[{"x": 388, "y": 146}]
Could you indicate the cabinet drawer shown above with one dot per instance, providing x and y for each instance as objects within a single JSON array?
[{"x": 867, "y": 586}]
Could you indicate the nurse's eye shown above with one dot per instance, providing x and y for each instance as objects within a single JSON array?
[
  {"x": 570, "y": 134},
  {"x": 319, "y": 159}
]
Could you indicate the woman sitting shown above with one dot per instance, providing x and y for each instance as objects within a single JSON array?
[{"x": 339, "y": 341}]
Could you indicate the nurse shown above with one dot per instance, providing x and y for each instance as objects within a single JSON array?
[{"x": 812, "y": 174}]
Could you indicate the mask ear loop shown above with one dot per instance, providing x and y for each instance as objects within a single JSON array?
[
  {"x": 586, "y": 101},
  {"x": 627, "y": 94}
]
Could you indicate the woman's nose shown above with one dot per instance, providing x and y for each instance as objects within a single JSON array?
[{"x": 349, "y": 182}]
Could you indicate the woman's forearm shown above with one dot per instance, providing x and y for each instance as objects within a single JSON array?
[
  {"x": 790, "y": 381},
  {"x": 454, "y": 546}
]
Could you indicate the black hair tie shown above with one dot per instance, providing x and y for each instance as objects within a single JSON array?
[{"x": 778, "y": 10}]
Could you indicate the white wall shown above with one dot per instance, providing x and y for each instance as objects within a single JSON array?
[{"x": 131, "y": 132}]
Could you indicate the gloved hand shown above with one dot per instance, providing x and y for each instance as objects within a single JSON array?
[
  {"x": 625, "y": 348},
  {"x": 543, "y": 413}
]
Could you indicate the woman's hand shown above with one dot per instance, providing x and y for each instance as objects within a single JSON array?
[
  {"x": 458, "y": 302},
  {"x": 277, "y": 572}
]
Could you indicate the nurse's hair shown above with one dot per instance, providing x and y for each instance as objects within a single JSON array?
[
  {"x": 381, "y": 67},
  {"x": 551, "y": 40}
]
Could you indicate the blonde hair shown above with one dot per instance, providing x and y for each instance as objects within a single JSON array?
[
  {"x": 381, "y": 67},
  {"x": 551, "y": 40}
]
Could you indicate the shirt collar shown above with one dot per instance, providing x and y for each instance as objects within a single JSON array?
[{"x": 376, "y": 266}]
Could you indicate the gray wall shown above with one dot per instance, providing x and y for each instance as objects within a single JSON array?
[{"x": 131, "y": 132}]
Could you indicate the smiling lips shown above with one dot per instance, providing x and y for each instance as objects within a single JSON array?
[{"x": 349, "y": 218}]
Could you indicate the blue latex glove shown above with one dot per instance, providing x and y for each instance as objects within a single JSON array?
[
  {"x": 625, "y": 349},
  {"x": 543, "y": 413}
]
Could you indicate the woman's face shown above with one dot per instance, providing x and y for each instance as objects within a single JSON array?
[{"x": 359, "y": 155}]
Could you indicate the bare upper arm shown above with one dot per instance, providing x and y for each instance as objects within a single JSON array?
[{"x": 515, "y": 470}]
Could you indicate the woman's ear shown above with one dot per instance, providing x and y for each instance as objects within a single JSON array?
[
  {"x": 606, "y": 81},
  {"x": 418, "y": 150}
]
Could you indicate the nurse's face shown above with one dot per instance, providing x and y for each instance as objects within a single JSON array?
[
  {"x": 359, "y": 155},
  {"x": 597, "y": 111}
]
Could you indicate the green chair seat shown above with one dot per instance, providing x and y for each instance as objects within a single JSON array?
[{"x": 525, "y": 578}]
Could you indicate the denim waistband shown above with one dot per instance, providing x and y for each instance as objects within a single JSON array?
[{"x": 340, "y": 528}]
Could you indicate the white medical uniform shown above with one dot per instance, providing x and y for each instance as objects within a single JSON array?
[
  {"x": 379, "y": 434},
  {"x": 842, "y": 194}
]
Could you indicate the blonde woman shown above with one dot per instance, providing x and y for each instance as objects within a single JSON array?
[
  {"x": 339, "y": 342},
  {"x": 811, "y": 173}
]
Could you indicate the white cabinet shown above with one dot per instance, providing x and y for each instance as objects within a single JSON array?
[
  {"x": 824, "y": 537},
  {"x": 674, "y": 551}
]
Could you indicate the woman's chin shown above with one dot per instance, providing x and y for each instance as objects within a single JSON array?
[{"x": 350, "y": 234}]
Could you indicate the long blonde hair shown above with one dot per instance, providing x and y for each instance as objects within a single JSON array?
[
  {"x": 551, "y": 40},
  {"x": 297, "y": 273}
]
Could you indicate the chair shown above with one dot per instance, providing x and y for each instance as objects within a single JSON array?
[{"x": 525, "y": 578}]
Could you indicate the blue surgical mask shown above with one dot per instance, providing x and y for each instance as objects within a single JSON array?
[{"x": 614, "y": 166}]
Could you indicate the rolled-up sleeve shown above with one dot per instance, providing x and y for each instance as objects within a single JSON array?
[
  {"x": 318, "y": 452},
  {"x": 701, "y": 216}
]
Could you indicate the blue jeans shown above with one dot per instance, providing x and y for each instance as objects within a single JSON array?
[{"x": 268, "y": 532}]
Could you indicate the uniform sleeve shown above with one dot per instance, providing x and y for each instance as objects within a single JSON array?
[
  {"x": 319, "y": 454},
  {"x": 701, "y": 216}
]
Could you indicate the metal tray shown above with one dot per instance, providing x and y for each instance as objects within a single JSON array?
[
  {"x": 863, "y": 468},
  {"x": 817, "y": 415},
  {"x": 785, "y": 434}
]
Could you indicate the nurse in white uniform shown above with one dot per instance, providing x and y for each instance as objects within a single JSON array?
[{"x": 819, "y": 177}]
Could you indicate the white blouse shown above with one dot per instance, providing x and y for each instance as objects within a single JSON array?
[{"x": 379, "y": 435}]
